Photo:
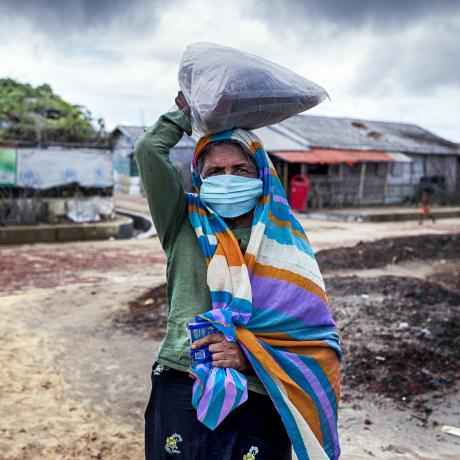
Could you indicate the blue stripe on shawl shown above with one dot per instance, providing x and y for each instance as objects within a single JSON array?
[
  {"x": 288, "y": 419},
  {"x": 217, "y": 401},
  {"x": 292, "y": 370},
  {"x": 227, "y": 298},
  {"x": 279, "y": 234}
]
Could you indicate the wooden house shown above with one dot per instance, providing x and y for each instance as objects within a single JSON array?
[
  {"x": 349, "y": 162},
  {"x": 361, "y": 162}
]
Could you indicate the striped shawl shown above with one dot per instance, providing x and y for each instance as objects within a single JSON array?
[{"x": 272, "y": 301}]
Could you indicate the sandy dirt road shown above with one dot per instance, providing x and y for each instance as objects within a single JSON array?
[{"x": 74, "y": 384}]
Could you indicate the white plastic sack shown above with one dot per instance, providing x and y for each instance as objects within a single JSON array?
[
  {"x": 90, "y": 209},
  {"x": 228, "y": 88}
]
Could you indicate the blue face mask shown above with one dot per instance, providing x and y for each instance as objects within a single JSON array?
[{"x": 229, "y": 195}]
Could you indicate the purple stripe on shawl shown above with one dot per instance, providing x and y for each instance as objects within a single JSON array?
[
  {"x": 321, "y": 395},
  {"x": 280, "y": 199},
  {"x": 273, "y": 294},
  {"x": 266, "y": 171},
  {"x": 219, "y": 306},
  {"x": 207, "y": 395},
  {"x": 230, "y": 395}
]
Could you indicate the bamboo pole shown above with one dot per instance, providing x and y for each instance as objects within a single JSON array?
[
  {"x": 385, "y": 185},
  {"x": 285, "y": 176},
  {"x": 361, "y": 182}
]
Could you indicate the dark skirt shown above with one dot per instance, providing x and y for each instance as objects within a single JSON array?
[{"x": 253, "y": 431}]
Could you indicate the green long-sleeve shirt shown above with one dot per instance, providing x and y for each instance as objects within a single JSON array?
[{"x": 188, "y": 292}]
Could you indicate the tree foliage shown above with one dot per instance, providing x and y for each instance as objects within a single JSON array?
[{"x": 37, "y": 115}]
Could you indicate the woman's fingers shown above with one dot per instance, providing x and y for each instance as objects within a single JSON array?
[
  {"x": 226, "y": 363},
  {"x": 225, "y": 356},
  {"x": 219, "y": 346},
  {"x": 208, "y": 340},
  {"x": 181, "y": 102}
]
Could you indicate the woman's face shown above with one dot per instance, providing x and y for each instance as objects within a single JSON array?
[{"x": 227, "y": 159}]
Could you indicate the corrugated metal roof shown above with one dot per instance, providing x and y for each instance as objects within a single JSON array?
[
  {"x": 399, "y": 157},
  {"x": 332, "y": 156},
  {"x": 350, "y": 133},
  {"x": 302, "y": 132},
  {"x": 276, "y": 137},
  {"x": 133, "y": 132}
]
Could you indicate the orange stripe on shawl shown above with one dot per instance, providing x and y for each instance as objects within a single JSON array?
[
  {"x": 250, "y": 260},
  {"x": 302, "y": 401},
  {"x": 229, "y": 248},
  {"x": 193, "y": 208},
  {"x": 254, "y": 146},
  {"x": 287, "y": 223},
  {"x": 317, "y": 349},
  {"x": 200, "y": 146},
  {"x": 325, "y": 356}
]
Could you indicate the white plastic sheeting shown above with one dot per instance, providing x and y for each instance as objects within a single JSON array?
[
  {"x": 228, "y": 88},
  {"x": 90, "y": 209},
  {"x": 56, "y": 166}
]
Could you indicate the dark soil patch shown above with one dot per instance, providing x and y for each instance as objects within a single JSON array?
[
  {"x": 400, "y": 336},
  {"x": 389, "y": 251},
  {"x": 146, "y": 314}
]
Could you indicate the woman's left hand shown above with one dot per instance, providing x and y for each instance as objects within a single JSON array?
[{"x": 224, "y": 353}]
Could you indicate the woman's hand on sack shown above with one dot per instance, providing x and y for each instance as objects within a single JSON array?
[
  {"x": 182, "y": 103},
  {"x": 224, "y": 353}
]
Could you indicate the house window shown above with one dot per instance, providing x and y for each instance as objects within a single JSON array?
[
  {"x": 318, "y": 169},
  {"x": 397, "y": 169},
  {"x": 376, "y": 169}
]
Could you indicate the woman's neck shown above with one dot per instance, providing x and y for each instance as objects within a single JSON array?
[{"x": 241, "y": 221}]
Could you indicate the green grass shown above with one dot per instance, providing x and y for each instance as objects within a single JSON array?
[{"x": 36, "y": 114}]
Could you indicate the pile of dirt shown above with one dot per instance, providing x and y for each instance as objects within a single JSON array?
[
  {"x": 146, "y": 314},
  {"x": 389, "y": 251},
  {"x": 400, "y": 335}
]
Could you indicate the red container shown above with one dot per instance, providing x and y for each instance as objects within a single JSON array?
[{"x": 298, "y": 192}]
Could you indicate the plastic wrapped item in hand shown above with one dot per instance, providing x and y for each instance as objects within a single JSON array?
[
  {"x": 197, "y": 330},
  {"x": 227, "y": 88}
]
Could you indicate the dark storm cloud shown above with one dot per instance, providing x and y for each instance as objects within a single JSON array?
[
  {"x": 414, "y": 43},
  {"x": 418, "y": 65},
  {"x": 354, "y": 13},
  {"x": 72, "y": 16}
]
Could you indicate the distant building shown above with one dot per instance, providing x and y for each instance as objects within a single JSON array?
[
  {"x": 360, "y": 162},
  {"x": 125, "y": 168},
  {"x": 349, "y": 162},
  {"x": 40, "y": 184},
  {"x": 125, "y": 171}
]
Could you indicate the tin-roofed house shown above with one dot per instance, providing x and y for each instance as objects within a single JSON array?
[
  {"x": 360, "y": 162},
  {"x": 125, "y": 169},
  {"x": 348, "y": 161}
]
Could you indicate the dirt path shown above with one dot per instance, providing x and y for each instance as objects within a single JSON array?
[
  {"x": 74, "y": 378},
  {"x": 72, "y": 386}
]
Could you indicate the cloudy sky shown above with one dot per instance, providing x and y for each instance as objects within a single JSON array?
[{"x": 378, "y": 59}]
